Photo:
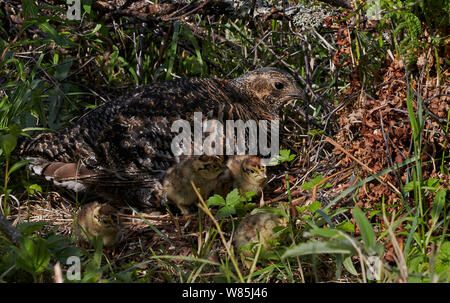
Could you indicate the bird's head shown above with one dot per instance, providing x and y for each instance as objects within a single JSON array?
[
  {"x": 208, "y": 167},
  {"x": 270, "y": 86},
  {"x": 105, "y": 216},
  {"x": 252, "y": 170}
]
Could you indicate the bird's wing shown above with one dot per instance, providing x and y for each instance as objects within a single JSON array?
[{"x": 128, "y": 140}]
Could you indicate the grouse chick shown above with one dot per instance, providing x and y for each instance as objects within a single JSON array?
[
  {"x": 251, "y": 176},
  {"x": 245, "y": 173},
  {"x": 261, "y": 223},
  {"x": 202, "y": 170},
  {"x": 97, "y": 220}
]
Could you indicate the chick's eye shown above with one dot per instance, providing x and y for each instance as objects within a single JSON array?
[{"x": 279, "y": 85}]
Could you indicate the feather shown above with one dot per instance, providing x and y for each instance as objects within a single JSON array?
[{"x": 122, "y": 148}]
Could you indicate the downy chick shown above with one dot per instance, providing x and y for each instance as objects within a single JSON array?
[
  {"x": 95, "y": 220},
  {"x": 243, "y": 172},
  {"x": 248, "y": 229},
  {"x": 203, "y": 170}
]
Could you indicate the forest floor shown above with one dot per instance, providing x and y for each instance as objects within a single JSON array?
[{"x": 371, "y": 138}]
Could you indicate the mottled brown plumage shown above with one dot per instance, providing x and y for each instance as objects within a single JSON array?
[
  {"x": 97, "y": 220},
  {"x": 246, "y": 173},
  {"x": 202, "y": 170},
  {"x": 261, "y": 223},
  {"x": 122, "y": 148}
]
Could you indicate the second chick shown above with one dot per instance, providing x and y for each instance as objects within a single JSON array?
[
  {"x": 245, "y": 173},
  {"x": 261, "y": 223},
  {"x": 202, "y": 170},
  {"x": 97, "y": 220}
]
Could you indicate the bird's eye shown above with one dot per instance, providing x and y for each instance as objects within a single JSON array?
[{"x": 279, "y": 85}]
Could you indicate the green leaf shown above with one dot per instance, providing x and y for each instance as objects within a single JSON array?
[
  {"x": 231, "y": 205},
  {"x": 18, "y": 165},
  {"x": 29, "y": 9},
  {"x": 249, "y": 195},
  {"x": 63, "y": 69},
  {"x": 27, "y": 228},
  {"x": 442, "y": 265},
  {"x": 432, "y": 184},
  {"x": 325, "y": 217},
  {"x": 366, "y": 230},
  {"x": 325, "y": 232},
  {"x": 14, "y": 130},
  {"x": 215, "y": 200},
  {"x": 410, "y": 186},
  {"x": 8, "y": 142},
  {"x": 52, "y": 34},
  {"x": 34, "y": 188},
  {"x": 315, "y": 247},
  {"x": 93, "y": 267},
  {"x": 187, "y": 32},
  {"x": 249, "y": 246},
  {"x": 33, "y": 255},
  {"x": 301, "y": 209},
  {"x": 225, "y": 212},
  {"x": 173, "y": 49},
  {"x": 348, "y": 264},
  {"x": 284, "y": 156},
  {"x": 438, "y": 204},
  {"x": 233, "y": 198},
  {"x": 314, "y": 181},
  {"x": 347, "y": 227},
  {"x": 87, "y": 6},
  {"x": 60, "y": 248},
  {"x": 315, "y": 206}
]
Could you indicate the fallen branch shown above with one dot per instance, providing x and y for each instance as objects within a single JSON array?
[{"x": 9, "y": 231}]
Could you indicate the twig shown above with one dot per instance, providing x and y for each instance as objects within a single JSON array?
[
  {"x": 315, "y": 187},
  {"x": 294, "y": 193},
  {"x": 331, "y": 141},
  {"x": 9, "y": 231}
]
